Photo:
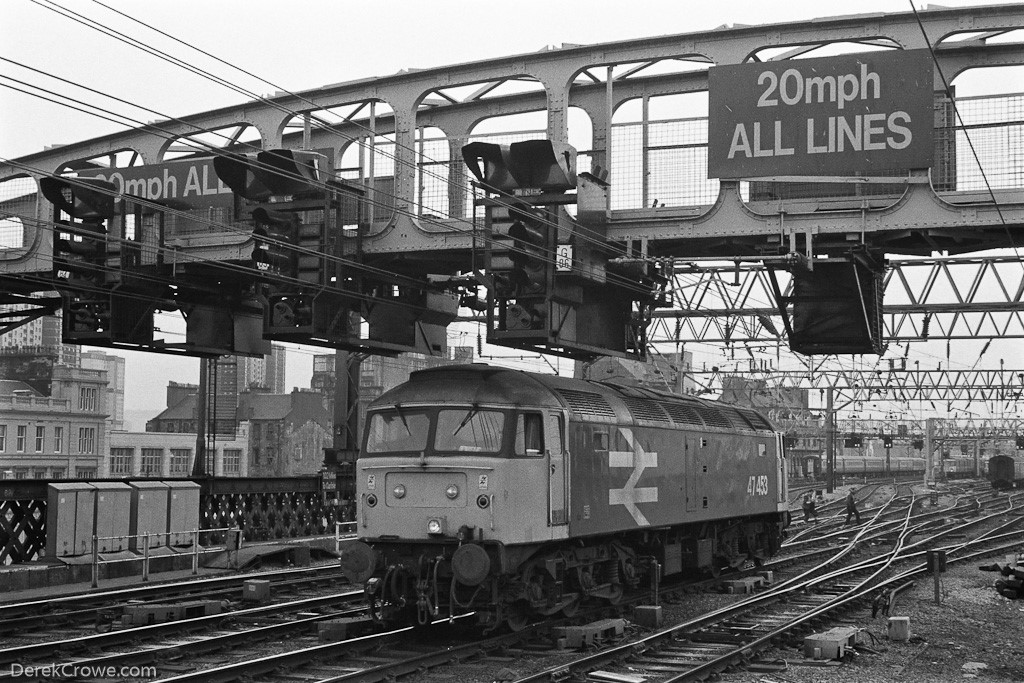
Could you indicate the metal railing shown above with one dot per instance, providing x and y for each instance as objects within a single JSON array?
[{"x": 233, "y": 542}]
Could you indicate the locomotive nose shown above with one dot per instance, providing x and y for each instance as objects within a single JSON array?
[{"x": 358, "y": 561}]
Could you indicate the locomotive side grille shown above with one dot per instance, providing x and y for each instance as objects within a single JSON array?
[
  {"x": 755, "y": 419},
  {"x": 586, "y": 403},
  {"x": 645, "y": 409},
  {"x": 682, "y": 414},
  {"x": 713, "y": 417}
]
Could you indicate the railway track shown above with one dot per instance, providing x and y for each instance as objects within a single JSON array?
[
  {"x": 97, "y": 607},
  {"x": 262, "y": 643}
]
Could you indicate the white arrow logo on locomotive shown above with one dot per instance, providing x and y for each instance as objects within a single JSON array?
[{"x": 630, "y": 495}]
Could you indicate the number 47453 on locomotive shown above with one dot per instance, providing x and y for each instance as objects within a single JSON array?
[{"x": 517, "y": 495}]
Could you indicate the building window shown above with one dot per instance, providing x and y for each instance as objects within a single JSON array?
[
  {"x": 87, "y": 399},
  {"x": 20, "y": 474},
  {"x": 120, "y": 462},
  {"x": 58, "y": 439},
  {"x": 86, "y": 440},
  {"x": 57, "y": 474},
  {"x": 39, "y": 474},
  {"x": 180, "y": 459},
  {"x": 40, "y": 437},
  {"x": 86, "y": 472},
  {"x": 3, "y": 438},
  {"x": 22, "y": 432},
  {"x": 232, "y": 461},
  {"x": 151, "y": 458}
]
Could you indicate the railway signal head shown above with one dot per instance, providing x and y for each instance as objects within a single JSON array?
[
  {"x": 80, "y": 242},
  {"x": 887, "y": 440},
  {"x": 527, "y": 165},
  {"x": 1020, "y": 442},
  {"x": 533, "y": 250},
  {"x": 271, "y": 173},
  {"x": 276, "y": 234}
]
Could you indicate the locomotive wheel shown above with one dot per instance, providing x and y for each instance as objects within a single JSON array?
[
  {"x": 517, "y": 616},
  {"x": 572, "y": 608}
]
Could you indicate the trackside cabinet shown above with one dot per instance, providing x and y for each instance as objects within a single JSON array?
[
  {"x": 182, "y": 511},
  {"x": 70, "y": 514},
  {"x": 148, "y": 513},
  {"x": 113, "y": 498}
]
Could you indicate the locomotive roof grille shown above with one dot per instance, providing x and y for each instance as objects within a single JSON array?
[
  {"x": 682, "y": 414},
  {"x": 739, "y": 420},
  {"x": 645, "y": 409},
  {"x": 713, "y": 417},
  {"x": 755, "y": 418},
  {"x": 586, "y": 402}
]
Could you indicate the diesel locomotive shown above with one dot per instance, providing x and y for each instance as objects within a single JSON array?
[{"x": 516, "y": 495}]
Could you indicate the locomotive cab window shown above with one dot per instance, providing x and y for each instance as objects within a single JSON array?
[
  {"x": 469, "y": 430},
  {"x": 529, "y": 435},
  {"x": 397, "y": 431}
]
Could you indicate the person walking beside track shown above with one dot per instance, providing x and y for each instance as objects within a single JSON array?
[
  {"x": 851, "y": 508},
  {"x": 809, "y": 509}
]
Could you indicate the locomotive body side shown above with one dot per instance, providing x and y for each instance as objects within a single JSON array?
[{"x": 517, "y": 495}]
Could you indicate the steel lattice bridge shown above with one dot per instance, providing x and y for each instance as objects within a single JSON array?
[{"x": 740, "y": 184}]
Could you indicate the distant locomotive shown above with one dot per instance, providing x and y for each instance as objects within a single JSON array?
[
  {"x": 1006, "y": 471},
  {"x": 515, "y": 494}
]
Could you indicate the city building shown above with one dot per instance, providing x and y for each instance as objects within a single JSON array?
[
  {"x": 170, "y": 455},
  {"x": 42, "y": 334},
  {"x": 287, "y": 432},
  {"x": 114, "y": 366},
  {"x": 56, "y": 436}
]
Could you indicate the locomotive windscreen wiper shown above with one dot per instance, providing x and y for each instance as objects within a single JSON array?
[
  {"x": 469, "y": 416},
  {"x": 398, "y": 409}
]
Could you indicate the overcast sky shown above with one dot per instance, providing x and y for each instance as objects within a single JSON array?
[{"x": 305, "y": 45}]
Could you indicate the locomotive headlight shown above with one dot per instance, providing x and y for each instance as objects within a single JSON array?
[
  {"x": 452, "y": 492},
  {"x": 400, "y": 491},
  {"x": 434, "y": 526}
]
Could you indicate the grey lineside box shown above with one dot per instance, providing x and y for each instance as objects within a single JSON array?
[
  {"x": 112, "y": 499},
  {"x": 70, "y": 510},
  {"x": 148, "y": 514},
  {"x": 182, "y": 511}
]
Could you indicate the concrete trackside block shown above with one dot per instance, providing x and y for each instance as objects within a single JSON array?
[
  {"x": 256, "y": 590},
  {"x": 832, "y": 644},
  {"x": 333, "y": 630},
  {"x": 648, "y": 615},
  {"x": 744, "y": 585},
  {"x": 592, "y": 633},
  {"x": 768, "y": 576},
  {"x": 143, "y": 615},
  {"x": 899, "y": 629}
]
